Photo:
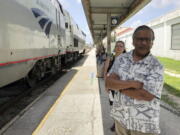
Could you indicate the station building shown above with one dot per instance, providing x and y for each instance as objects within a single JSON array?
[{"x": 167, "y": 35}]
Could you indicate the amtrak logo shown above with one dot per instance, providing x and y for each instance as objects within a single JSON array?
[{"x": 44, "y": 21}]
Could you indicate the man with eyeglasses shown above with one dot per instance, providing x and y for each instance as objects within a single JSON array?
[{"x": 137, "y": 78}]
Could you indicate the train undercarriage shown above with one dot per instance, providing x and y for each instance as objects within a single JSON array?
[{"x": 51, "y": 65}]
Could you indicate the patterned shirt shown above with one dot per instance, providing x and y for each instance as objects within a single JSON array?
[{"x": 138, "y": 115}]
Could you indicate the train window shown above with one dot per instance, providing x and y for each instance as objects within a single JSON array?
[
  {"x": 175, "y": 40},
  {"x": 66, "y": 25},
  {"x": 75, "y": 42}
]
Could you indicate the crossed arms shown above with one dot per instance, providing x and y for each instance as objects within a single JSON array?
[{"x": 133, "y": 89}]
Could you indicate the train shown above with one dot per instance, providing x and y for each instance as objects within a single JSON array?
[{"x": 36, "y": 37}]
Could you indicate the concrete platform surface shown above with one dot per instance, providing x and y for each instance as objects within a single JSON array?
[{"x": 77, "y": 111}]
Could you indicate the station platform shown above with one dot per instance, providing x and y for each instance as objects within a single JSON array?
[
  {"x": 72, "y": 106},
  {"x": 76, "y": 104},
  {"x": 77, "y": 111}
]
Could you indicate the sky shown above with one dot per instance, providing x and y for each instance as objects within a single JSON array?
[{"x": 155, "y": 9}]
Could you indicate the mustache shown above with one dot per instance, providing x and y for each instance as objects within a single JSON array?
[{"x": 143, "y": 47}]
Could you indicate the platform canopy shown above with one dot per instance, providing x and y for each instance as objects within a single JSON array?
[{"x": 96, "y": 12}]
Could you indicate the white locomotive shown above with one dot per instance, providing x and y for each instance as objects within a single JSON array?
[{"x": 36, "y": 37}]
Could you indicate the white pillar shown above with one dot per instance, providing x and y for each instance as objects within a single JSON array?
[{"x": 109, "y": 34}]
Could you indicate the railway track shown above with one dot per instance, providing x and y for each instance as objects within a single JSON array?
[
  {"x": 15, "y": 104},
  {"x": 17, "y": 96}
]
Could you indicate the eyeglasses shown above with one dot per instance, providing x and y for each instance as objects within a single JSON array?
[
  {"x": 119, "y": 46},
  {"x": 148, "y": 40}
]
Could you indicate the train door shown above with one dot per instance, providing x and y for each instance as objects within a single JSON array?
[
  {"x": 71, "y": 35},
  {"x": 58, "y": 29}
]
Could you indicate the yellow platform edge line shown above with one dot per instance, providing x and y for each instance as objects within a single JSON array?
[{"x": 53, "y": 107}]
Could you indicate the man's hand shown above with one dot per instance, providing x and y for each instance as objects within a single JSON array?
[
  {"x": 114, "y": 76},
  {"x": 139, "y": 94}
]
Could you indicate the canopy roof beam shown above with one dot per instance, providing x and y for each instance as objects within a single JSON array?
[
  {"x": 106, "y": 10},
  {"x": 97, "y": 12}
]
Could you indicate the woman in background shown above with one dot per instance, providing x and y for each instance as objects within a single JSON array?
[
  {"x": 119, "y": 49},
  {"x": 101, "y": 58}
]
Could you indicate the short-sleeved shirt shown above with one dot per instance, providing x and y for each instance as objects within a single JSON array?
[{"x": 138, "y": 115}]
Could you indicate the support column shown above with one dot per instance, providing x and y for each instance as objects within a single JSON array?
[{"x": 109, "y": 34}]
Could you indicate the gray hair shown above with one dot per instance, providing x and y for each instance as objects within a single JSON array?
[{"x": 143, "y": 27}]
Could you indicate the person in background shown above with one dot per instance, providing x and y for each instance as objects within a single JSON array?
[
  {"x": 101, "y": 57},
  {"x": 137, "y": 77},
  {"x": 119, "y": 49}
]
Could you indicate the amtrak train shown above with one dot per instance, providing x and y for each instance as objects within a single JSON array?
[{"x": 36, "y": 37}]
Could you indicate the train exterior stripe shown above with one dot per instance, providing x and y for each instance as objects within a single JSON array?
[
  {"x": 25, "y": 60},
  {"x": 36, "y": 58}
]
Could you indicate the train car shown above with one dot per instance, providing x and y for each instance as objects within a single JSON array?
[
  {"x": 78, "y": 37},
  {"x": 33, "y": 39},
  {"x": 75, "y": 38}
]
